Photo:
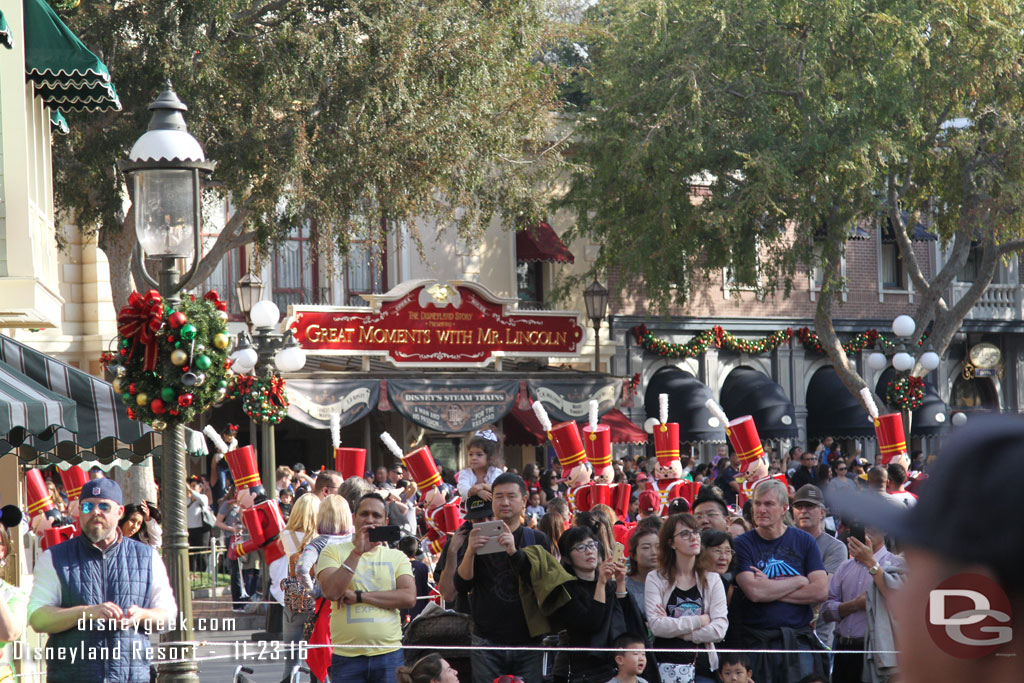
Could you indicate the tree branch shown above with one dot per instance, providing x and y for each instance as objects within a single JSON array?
[{"x": 229, "y": 239}]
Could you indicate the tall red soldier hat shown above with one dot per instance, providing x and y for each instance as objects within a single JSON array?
[
  {"x": 743, "y": 436},
  {"x": 38, "y": 495},
  {"x": 242, "y": 463},
  {"x": 565, "y": 437},
  {"x": 423, "y": 469},
  {"x": 350, "y": 462},
  {"x": 892, "y": 441},
  {"x": 666, "y": 443},
  {"x": 74, "y": 479},
  {"x": 598, "y": 445}
]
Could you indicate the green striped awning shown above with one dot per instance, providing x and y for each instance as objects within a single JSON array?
[
  {"x": 6, "y": 37},
  {"x": 66, "y": 74},
  {"x": 30, "y": 410},
  {"x": 58, "y": 122},
  {"x": 104, "y": 433}
]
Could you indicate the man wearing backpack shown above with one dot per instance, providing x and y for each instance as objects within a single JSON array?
[{"x": 492, "y": 582}]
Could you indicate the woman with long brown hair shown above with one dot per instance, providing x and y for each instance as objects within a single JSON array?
[{"x": 686, "y": 605}]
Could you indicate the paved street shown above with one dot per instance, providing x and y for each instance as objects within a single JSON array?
[{"x": 227, "y": 649}]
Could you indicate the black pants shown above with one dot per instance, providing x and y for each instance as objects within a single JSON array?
[
  {"x": 849, "y": 660},
  {"x": 199, "y": 548}
]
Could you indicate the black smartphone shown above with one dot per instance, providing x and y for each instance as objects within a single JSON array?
[{"x": 384, "y": 534}]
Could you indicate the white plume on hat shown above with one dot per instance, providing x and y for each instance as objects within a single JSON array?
[
  {"x": 542, "y": 416},
  {"x": 215, "y": 439},
  {"x": 391, "y": 445},
  {"x": 663, "y": 408},
  {"x": 869, "y": 402},
  {"x": 336, "y": 430},
  {"x": 716, "y": 410},
  {"x": 593, "y": 415}
]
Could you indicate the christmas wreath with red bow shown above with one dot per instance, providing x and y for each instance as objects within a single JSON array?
[
  {"x": 171, "y": 363},
  {"x": 263, "y": 398},
  {"x": 905, "y": 393}
]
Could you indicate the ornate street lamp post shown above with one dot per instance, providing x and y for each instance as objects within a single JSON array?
[
  {"x": 902, "y": 359},
  {"x": 595, "y": 298},
  {"x": 166, "y": 167}
]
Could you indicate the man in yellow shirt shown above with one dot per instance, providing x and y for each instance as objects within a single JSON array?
[{"x": 369, "y": 583}]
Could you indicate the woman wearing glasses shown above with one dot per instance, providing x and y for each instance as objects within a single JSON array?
[
  {"x": 600, "y": 609},
  {"x": 686, "y": 605}
]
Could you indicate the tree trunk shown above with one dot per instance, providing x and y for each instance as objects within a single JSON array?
[{"x": 118, "y": 246}]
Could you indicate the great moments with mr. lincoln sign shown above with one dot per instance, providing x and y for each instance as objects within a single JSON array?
[{"x": 428, "y": 323}]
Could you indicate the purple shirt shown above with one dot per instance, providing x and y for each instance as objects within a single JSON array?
[{"x": 849, "y": 581}]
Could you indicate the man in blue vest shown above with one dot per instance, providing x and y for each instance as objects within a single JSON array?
[{"x": 98, "y": 595}]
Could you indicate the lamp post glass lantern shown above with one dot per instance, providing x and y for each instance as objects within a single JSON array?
[
  {"x": 165, "y": 169},
  {"x": 249, "y": 290},
  {"x": 595, "y": 299}
]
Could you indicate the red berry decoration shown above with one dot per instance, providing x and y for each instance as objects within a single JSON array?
[
  {"x": 131, "y": 414},
  {"x": 185, "y": 400},
  {"x": 176, "y": 319},
  {"x": 131, "y": 388},
  {"x": 158, "y": 406}
]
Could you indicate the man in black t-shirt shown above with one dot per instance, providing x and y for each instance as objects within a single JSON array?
[{"x": 492, "y": 582}]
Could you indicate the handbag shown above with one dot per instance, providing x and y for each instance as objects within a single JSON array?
[
  {"x": 307, "y": 628},
  {"x": 296, "y": 598}
]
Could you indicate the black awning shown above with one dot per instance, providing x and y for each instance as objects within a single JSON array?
[
  {"x": 749, "y": 392},
  {"x": 833, "y": 411},
  {"x": 686, "y": 398},
  {"x": 932, "y": 418}
]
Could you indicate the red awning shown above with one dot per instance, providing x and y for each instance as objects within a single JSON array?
[
  {"x": 540, "y": 243},
  {"x": 624, "y": 430},
  {"x": 522, "y": 428}
]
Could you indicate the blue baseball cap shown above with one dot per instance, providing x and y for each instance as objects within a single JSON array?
[{"x": 104, "y": 488}]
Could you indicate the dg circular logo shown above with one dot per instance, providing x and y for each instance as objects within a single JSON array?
[{"x": 968, "y": 616}]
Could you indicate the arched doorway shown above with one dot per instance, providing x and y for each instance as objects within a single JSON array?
[{"x": 978, "y": 393}]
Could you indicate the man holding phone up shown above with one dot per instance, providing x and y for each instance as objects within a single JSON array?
[
  {"x": 369, "y": 583},
  {"x": 492, "y": 582}
]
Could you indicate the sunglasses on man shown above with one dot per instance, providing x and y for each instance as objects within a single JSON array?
[{"x": 89, "y": 506}]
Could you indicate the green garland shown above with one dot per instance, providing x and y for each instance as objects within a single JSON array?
[
  {"x": 723, "y": 339},
  {"x": 171, "y": 364}
]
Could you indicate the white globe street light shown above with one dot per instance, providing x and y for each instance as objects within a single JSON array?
[
  {"x": 877, "y": 361},
  {"x": 930, "y": 360},
  {"x": 265, "y": 313},
  {"x": 290, "y": 359},
  {"x": 903, "y": 361},
  {"x": 903, "y": 326}
]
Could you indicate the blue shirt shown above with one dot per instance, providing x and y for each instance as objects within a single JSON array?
[{"x": 794, "y": 553}]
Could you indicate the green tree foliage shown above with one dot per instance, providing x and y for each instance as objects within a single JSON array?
[
  {"x": 804, "y": 119},
  {"x": 358, "y": 114}
]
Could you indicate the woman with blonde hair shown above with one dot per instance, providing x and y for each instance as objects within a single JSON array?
[
  {"x": 686, "y": 605},
  {"x": 334, "y": 525},
  {"x": 299, "y": 530}
]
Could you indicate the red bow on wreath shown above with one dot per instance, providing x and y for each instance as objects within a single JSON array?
[
  {"x": 213, "y": 297},
  {"x": 139, "y": 321}
]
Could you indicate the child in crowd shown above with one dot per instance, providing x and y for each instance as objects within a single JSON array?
[
  {"x": 534, "y": 508},
  {"x": 733, "y": 667},
  {"x": 630, "y": 659},
  {"x": 476, "y": 479}
]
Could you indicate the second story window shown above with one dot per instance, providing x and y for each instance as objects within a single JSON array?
[
  {"x": 365, "y": 271},
  {"x": 891, "y": 266},
  {"x": 530, "y": 285},
  {"x": 296, "y": 269}
]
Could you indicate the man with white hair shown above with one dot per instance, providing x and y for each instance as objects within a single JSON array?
[{"x": 781, "y": 575}]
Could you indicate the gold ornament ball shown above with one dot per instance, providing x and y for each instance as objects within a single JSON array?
[
  {"x": 179, "y": 357},
  {"x": 221, "y": 340},
  {"x": 118, "y": 388},
  {"x": 142, "y": 399},
  {"x": 159, "y": 425}
]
